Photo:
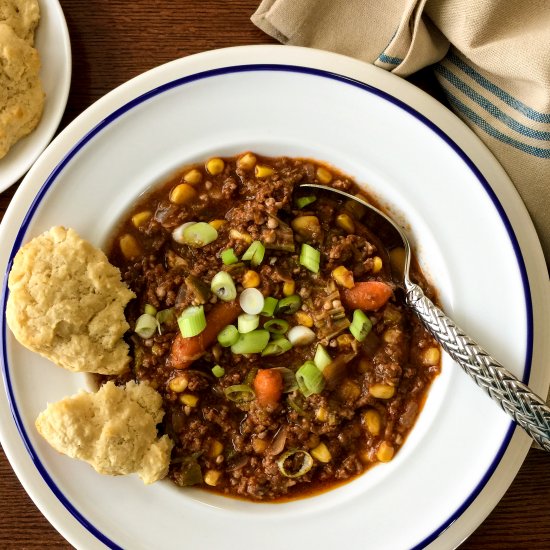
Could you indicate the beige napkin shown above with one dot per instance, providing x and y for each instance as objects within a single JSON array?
[{"x": 491, "y": 57}]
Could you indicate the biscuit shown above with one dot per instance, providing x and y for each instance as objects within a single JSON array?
[
  {"x": 21, "y": 93},
  {"x": 114, "y": 430},
  {"x": 22, "y": 16},
  {"x": 67, "y": 303}
]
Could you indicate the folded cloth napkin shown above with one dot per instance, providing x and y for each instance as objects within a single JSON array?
[{"x": 491, "y": 57}]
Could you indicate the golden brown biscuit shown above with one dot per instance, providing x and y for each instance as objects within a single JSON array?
[
  {"x": 114, "y": 430},
  {"x": 21, "y": 93},
  {"x": 67, "y": 303},
  {"x": 22, "y": 16}
]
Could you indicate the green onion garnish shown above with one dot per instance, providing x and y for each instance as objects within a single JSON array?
[
  {"x": 165, "y": 315},
  {"x": 150, "y": 310},
  {"x": 277, "y": 347},
  {"x": 309, "y": 378},
  {"x": 228, "y": 336},
  {"x": 255, "y": 253},
  {"x": 146, "y": 325},
  {"x": 218, "y": 371},
  {"x": 289, "y": 305},
  {"x": 251, "y": 300},
  {"x": 199, "y": 234},
  {"x": 223, "y": 287},
  {"x": 270, "y": 304},
  {"x": 251, "y": 342},
  {"x": 322, "y": 358},
  {"x": 301, "y": 202},
  {"x": 240, "y": 393},
  {"x": 307, "y": 463},
  {"x": 360, "y": 326},
  {"x": 229, "y": 257},
  {"x": 192, "y": 321},
  {"x": 247, "y": 323},
  {"x": 276, "y": 326},
  {"x": 310, "y": 258}
]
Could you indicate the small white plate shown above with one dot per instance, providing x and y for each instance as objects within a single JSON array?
[
  {"x": 53, "y": 44},
  {"x": 473, "y": 236}
]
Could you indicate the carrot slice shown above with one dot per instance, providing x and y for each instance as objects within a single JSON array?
[
  {"x": 186, "y": 350},
  {"x": 268, "y": 385},
  {"x": 367, "y": 295}
]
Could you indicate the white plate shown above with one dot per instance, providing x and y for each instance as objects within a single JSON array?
[
  {"x": 53, "y": 44},
  {"x": 474, "y": 238}
]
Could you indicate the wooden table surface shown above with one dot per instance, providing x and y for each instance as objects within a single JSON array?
[{"x": 115, "y": 40}]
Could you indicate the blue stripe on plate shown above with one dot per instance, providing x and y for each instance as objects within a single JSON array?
[
  {"x": 230, "y": 70},
  {"x": 497, "y": 91},
  {"x": 493, "y": 132},
  {"x": 491, "y": 108}
]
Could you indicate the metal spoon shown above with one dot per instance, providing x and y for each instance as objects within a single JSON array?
[{"x": 526, "y": 408}]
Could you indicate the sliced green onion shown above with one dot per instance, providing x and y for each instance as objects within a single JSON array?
[
  {"x": 228, "y": 336},
  {"x": 300, "y": 335},
  {"x": 322, "y": 358},
  {"x": 289, "y": 379},
  {"x": 165, "y": 315},
  {"x": 199, "y": 234},
  {"x": 307, "y": 463},
  {"x": 254, "y": 253},
  {"x": 276, "y": 326},
  {"x": 301, "y": 202},
  {"x": 247, "y": 323},
  {"x": 270, "y": 304},
  {"x": 251, "y": 301},
  {"x": 277, "y": 347},
  {"x": 251, "y": 342},
  {"x": 146, "y": 325},
  {"x": 150, "y": 310},
  {"x": 360, "y": 326},
  {"x": 223, "y": 287},
  {"x": 218, "y": 371},
  {"x": 240, "y": 393},
  {"x": 229, "y": 257},
  {"x": 310, "y": 258},
  {"x": 192, "y": 321},
  {"x": 177, "y": 234},
  {"x": 289, "y": 305},
  {"x": 309, "y": 378}
]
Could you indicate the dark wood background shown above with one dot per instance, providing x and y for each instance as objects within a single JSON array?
[{"x": 115, "y": 40}]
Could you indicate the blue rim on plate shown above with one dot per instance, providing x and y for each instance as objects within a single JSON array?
[{"x": 237, "y": 69}]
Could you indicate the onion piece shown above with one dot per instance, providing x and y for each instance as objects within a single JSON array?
[
  {"x": 306, "y": 466},
  {"x": 300, "y": 335},
  {"x": 251, "y": 301}
]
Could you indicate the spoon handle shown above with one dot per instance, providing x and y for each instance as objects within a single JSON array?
[{"x": 515, "y": 398}]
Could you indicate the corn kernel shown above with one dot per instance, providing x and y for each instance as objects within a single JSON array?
[
  {"x": 178, "y": 384},
  {"x": 321, "y": 453},
  {"x": 306, "y": 226},
  {"x": 372, "y": 421},
  {"x": 349, "y": 391},
  {"x": 323, "y": 175},
  {"x": 345, "y": 340},
  {"x": 397, "y": 259},
  {"x": 344, "y": 221},
  {"x": 235, "y": 234},
  {"x": 216, "y": 448},
  {"x": 259, "y": 445},
  {"x": 217, "y": 224},
  {"x": 302, "y": 318},
  {"x": 382, "y": 391},
  {"x": 247, "y": 161},
  {"x": 343, "y": 276},
  {"x": 141, "y": 218},
  {"x": 193, "y": 177},
  {"x": 431, "y": 356},
  {"x": 321, "y": 414},
  {"x": 391, "y": 335},
  {"x": 189, "y": 399},
  {"x": 364, "y": 365},
  {"x": 288, "y": 288},
  {"x": 356, "y": 209},
  {"x": 182, "y": 194},
  {"x": 385, "y": 452},
  {"x": 211, "y": 477},
  {"x": 263, "y": 171},
  {"x": 215, "y": 166},
  {"x": 251, "y": 279},
  {"x": 129, "y": 246},
  {"x": 376, "y": 264}
]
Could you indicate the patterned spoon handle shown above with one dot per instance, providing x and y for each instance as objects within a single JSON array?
[{"x": 515, "y": 398}]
